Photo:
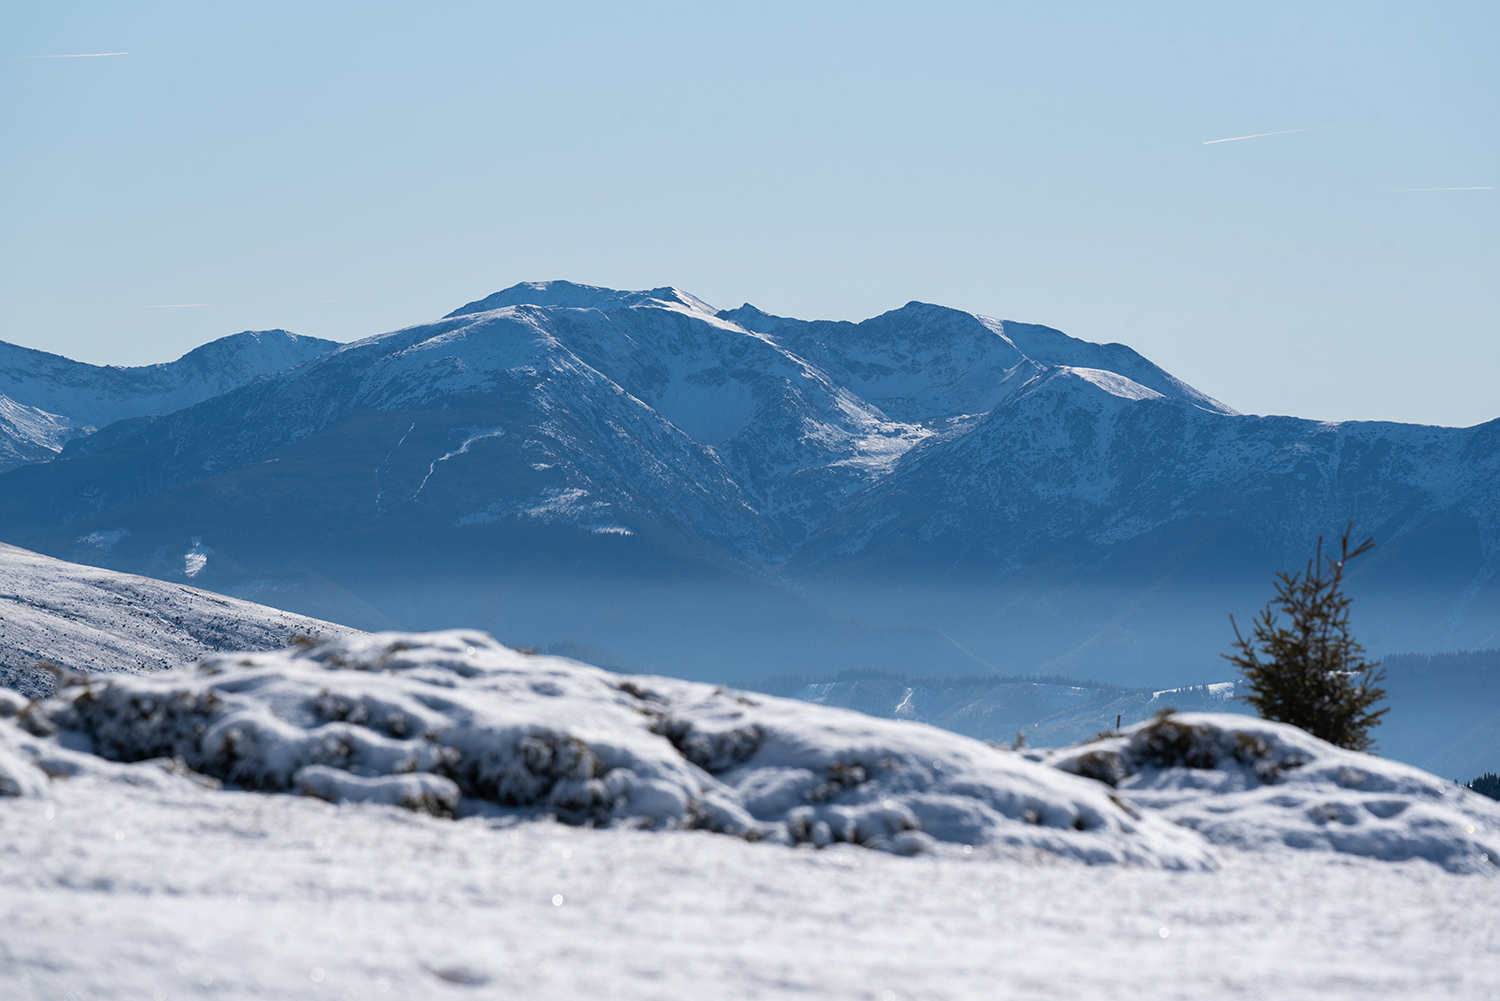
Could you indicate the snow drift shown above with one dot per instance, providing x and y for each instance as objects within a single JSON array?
[
  {"x": 1253, "y": 784},
  {"x": 453, "y": 722}
]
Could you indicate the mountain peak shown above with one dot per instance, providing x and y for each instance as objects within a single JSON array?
[
  {"x": 1055, "y": 348},
  {"x": 752, "y": 318},
  {"x": 570, "y": 295},
  {"x": 270, "y": 347},
  {"x": 98, "y": 395}
]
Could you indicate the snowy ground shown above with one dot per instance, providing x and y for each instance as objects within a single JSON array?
[
  {"x": 88, "y": 619},
  {"x": 197, "y": 894},
  {"x": 1195, "y": 856}
]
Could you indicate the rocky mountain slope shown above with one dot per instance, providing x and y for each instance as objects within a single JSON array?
[{"x": 927, "y": 492}]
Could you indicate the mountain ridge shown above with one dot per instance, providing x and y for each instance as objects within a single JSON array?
[
  {"x": 47, "y": 400},
  {"x": 1074, "y": 509}
]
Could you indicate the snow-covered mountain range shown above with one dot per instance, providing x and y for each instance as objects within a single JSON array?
[
  {"x": 705, "y": 491},
  {"x": 47, "y": 400}
]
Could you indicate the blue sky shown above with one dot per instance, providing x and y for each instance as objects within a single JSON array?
[{"x": 344, "y": 169}]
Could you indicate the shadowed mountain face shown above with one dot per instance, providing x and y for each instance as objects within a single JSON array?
[{"x": 729, "y": 494}]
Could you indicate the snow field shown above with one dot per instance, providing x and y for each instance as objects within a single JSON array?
[
  {"x": 116, "y": 891},
  {"x": 712, "y": 842}
]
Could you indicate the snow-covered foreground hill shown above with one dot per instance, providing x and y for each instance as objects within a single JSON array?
[
  {"x": 710, "y": 841},
  {"x": 85, "y": 619},
  {"x": 455, "y": 723}
]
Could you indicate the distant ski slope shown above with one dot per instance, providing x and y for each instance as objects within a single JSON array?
[{"x": 91, "y": 620}]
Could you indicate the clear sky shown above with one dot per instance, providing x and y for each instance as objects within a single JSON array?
[{"x": 341, "y": 169}]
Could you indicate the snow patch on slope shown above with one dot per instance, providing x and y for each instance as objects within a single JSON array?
[
  {"x": 1114, "y": 384},
  {"x": 1055, "y": 348}
]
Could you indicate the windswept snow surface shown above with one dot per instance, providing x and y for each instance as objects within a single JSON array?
[
  {"x": 149, "y": 879},
  {"x": 226, "y": 894},
  {"x": 86, "y": 619}
]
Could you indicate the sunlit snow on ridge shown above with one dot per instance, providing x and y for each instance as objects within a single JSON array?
[{"x": 1115, "y": 385}]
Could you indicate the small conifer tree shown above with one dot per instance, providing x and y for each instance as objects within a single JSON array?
[{"x": 1309, "y": 671}]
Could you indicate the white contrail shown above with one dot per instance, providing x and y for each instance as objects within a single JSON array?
[
  {"x": 1480, "y": 187},
  {"x": 173, "y": 305},
  {"x": 78, "y": 55},
  {"x": 1259, "y": 135}
]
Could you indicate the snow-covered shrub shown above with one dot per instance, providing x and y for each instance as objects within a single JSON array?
[
  {"x": 12, "y": 703},
  {"x": 19, "y": 777},
  {"x": 1172, "y": 741},
  {"x": 419, "y": 791},
  {"x": 712, "y": 752},
  {"x": 455, "y": 723},
  {"x": 1257, "y": 784}
]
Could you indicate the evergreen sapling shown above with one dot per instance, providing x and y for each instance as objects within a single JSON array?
[{"x": 1309, "y": 671}]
